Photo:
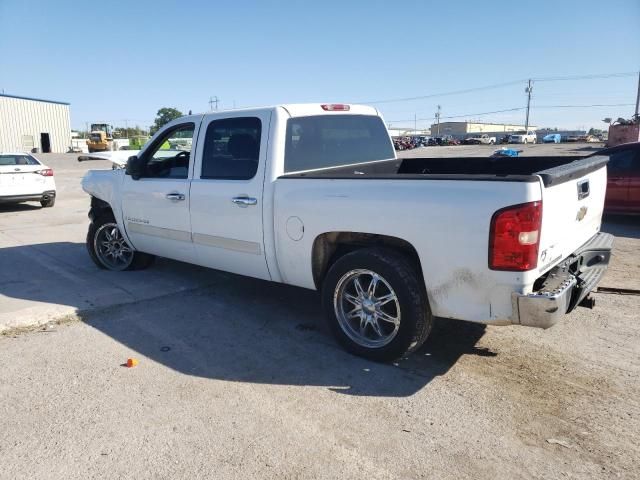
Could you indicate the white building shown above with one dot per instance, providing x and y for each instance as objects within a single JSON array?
[
  {"x": 464, "y": 129},
  {"x": 32, "y": 123},
  {"x": 406, "y": 132}
]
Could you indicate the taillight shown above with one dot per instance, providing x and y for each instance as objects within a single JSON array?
[
  {"x": 335, "y": 107},
  {"x": 47, "y": 172},
  {"x": 515, "y": 237}
]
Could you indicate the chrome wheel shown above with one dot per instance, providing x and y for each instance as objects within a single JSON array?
[
  {"x": 111, "y": 248},
  {"x": 367, "y": 308}
]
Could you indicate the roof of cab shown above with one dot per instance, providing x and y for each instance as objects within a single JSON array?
[{"x": 304, "y": 110}]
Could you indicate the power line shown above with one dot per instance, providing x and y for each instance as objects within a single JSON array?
[
  {"x": 505, "y": 84},
  {"x": 594, "y": 105},
  {"x": 516, "y": 109},
  {"x": 585, "y": 77},
  {"x": 465, "y": 115},
  {"x": 444, "y": 94}
]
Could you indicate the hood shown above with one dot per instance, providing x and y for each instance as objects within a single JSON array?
[{"x": 118, "y": 158}]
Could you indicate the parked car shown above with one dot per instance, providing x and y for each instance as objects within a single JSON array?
[
  {"x": 270, "y": 193},
  {"x": 23, "y": 178},
  {"x": 523, "y": 137},
  {"x": 449, "y": 140},
  {"x": 422, "y": 141},
  {"x": 480, "y": 139},
  {"x": 552, "y": 138},
  {"x": 504, "y": 139},
  {"x": 623, "y": 181}
]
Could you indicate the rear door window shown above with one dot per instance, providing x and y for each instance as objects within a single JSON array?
[
  {"x": 335, "y": 140},
  {"x": 232, "y": 149}
]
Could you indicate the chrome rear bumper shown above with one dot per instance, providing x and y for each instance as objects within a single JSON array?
[{"x": 565, "y": 286}]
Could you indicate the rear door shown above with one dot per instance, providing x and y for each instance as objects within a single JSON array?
[
  {"x": 18, "y": 175},
  {"x": 156, "y": 206},
  {"x": 226, "y": 193},
  {"x": 571, "y": 215}
]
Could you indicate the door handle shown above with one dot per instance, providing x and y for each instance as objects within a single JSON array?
[
  {"x": 244, "y": 201},
  {"x": 175, "y": 196}
]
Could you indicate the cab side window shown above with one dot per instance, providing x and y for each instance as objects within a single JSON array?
[
  {"x": 232, "y": 149},
  {"x": 170, "y": 154}
]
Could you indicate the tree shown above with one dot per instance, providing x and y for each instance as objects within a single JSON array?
[
  {"x": 595, "y": 131},
  {"x": 164, "y": 116}
]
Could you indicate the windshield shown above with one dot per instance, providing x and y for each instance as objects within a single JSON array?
[{"x": 335, "y": 140}]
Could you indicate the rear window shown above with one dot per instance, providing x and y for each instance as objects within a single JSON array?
[
  {"x": 335, "y": 140},
  {"x": 17, "y": 160}
]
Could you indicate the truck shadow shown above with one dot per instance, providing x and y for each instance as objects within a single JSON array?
[
  {"x": 18, "y": 207},
  {"x": 239, "y": 329}
]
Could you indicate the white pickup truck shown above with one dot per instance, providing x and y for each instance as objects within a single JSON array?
[
  {"x": 483, "y": 139},
  {"x": 313, "y": 196}
]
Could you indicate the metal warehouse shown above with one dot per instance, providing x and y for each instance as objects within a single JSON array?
[{"x": 32, "y": 124}]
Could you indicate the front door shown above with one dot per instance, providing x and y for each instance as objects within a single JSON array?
[
  {"x": 156, "y": 206},
  {"x": 226, "y": 193}
]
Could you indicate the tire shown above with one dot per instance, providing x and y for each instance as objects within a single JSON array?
[
  {"x": 134, "y": 260},
  {"x": 396, "y": 276},
  {"x": 50, "y": 202}
]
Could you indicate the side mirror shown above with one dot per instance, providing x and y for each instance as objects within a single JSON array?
[{"x": 135, "y": 167}]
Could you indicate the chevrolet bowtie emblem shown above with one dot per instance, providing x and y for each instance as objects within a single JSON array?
[{"x": 581, "y": 213}]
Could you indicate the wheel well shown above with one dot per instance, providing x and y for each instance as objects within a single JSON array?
[
  {"x": 99, "y": 208},
  {"x": 330, "y": 246}
]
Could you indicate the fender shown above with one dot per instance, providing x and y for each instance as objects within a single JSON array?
[{"x": 104, "y": 186}]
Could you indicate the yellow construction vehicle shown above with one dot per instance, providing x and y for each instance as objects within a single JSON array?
[{"x": 100, "y": 138}]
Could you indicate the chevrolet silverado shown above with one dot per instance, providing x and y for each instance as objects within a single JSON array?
[{"x": 312, "y": 195}]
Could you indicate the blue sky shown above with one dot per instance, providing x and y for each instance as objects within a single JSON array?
[{"x": 120, "y": 60}]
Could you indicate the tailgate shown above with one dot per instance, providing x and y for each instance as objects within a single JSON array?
[{"x": 572, "y": 206}]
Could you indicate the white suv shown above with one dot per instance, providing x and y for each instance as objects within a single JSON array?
[
  {"x": 24, "y": 179},
  {"x": 523, "y": 137}
]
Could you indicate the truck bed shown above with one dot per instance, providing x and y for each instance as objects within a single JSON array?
[{"x": 552, "y": 170}]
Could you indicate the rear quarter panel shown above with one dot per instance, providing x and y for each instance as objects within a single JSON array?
[{"x": 447, "y": 222}]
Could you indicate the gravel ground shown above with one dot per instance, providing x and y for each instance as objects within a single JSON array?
[{"x": 239, "y": 378}]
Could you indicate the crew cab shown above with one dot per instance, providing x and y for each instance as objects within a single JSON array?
[
  {"x": 483, "y": 139},
  {"x": 312, "y": 195},
  {"x": 523, "y": 137}
]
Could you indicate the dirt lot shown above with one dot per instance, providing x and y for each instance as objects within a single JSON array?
[{"x": 239, "y": 378}]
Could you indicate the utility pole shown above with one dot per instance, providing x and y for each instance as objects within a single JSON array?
[
  {"x": 126, "y": 128},
  {"x": 415, "y": 124},
  {"x": 528, "y": 92},
  {"x": 213, "y": 100},
  {"x": 638, "y": 97},
  {"x": 438, "y": 121}
]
